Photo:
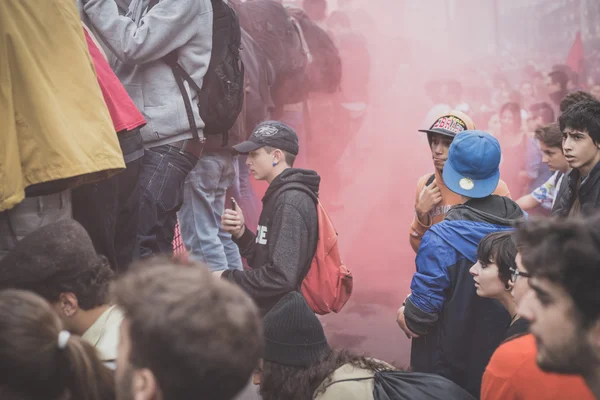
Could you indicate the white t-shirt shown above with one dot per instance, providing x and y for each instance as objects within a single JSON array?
[{"x": 546, "y": 194}]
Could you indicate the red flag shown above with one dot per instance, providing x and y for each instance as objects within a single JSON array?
[{"x": 575, "y": 58}]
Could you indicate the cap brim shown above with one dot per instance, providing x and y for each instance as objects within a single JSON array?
[
  {"x": 246, "y": 147},
  {"x": 481, "y": 187},
  {"x": 439, "y": 132}
]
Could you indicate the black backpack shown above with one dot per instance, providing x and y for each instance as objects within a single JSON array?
[
  {"x": 398, "y": 385},
  {"x": 324, "y": 69},
  {"x": 221, "y": 98},
  {"x": 270, "y": 26}
]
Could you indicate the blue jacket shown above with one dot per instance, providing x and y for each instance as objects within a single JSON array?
[{"x": 459, "y": 330}]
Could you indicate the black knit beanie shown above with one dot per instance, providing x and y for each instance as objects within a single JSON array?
[{"x": 294, "y": 335}]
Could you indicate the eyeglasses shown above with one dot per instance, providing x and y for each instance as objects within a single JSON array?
[{"x": 515, "y": 273}]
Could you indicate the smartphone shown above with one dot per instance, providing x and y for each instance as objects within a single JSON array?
[{"x": 233, "y": 204}]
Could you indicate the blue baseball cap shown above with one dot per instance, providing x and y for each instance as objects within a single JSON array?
[{"x": 472, "y": 168}]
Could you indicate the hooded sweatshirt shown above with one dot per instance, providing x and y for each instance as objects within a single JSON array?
[
  {"x": 137, "y": 42},
  {"x": 281, "y": 251},
  {"x": 459, "y": 330}
]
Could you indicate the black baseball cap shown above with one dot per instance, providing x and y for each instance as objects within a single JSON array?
[
  {"x": 275, "y": 134},
  {"x": 451, "y": 123}
]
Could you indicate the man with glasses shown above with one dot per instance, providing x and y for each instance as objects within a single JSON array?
[
  {"x": 563, "y": 304},
  {"x": 513, "y": 372}
]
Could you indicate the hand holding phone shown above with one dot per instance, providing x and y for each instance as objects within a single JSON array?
[{"x": 233, "y": 220}]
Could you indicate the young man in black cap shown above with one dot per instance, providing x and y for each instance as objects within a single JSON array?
[{"x": 281, "y": 252}]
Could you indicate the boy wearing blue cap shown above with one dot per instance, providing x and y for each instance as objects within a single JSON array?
[
  {"x": 454, "y": 331},
  {"x": 433, "y": 199}
]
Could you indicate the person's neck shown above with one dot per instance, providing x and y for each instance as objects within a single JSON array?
[
  {"x": 592, "y": 380},
  {"x": 86, "y": 318},
  {"x": 508, "y": 302},
  {"x": 585, "y": 170},
  {"x": 565, "y": 171},
  {"x": 464, "y": 199},
  {"x": 276, "y": 172}
]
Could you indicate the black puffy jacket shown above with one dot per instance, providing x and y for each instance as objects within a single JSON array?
[{"x": 589, "y": 192}]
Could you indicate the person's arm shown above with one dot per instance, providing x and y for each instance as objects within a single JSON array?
[
  {"x": 289, "y": 250},
  {"x": 426, "y": 199},
  {"x": 528, "y": 202},
  {"x": 429, "y": 284},
  {"x": 246, "y": 244},
  {"x": 166, "y": 27}
]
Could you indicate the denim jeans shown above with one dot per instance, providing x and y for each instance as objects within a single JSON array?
[
  {"x": 163, "y": 176},
  {"x": 31, "y": 214},
  {"x": 244, "y": 193},
  {"x": 200, "y": 216}
]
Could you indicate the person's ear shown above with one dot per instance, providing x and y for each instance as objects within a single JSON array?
[
  {"x": 278, "y": 156},
  {"x": 67, "y": 304},
  {"x": 511, "y": 284},
  {"x": 258, "y": 371},
  {"x": 144, "y": 385}
]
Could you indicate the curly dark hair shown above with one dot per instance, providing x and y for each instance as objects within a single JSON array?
[
  {"x": 297, "y": 383},
  {"x": 574, "y": 98},
  {"x": 499, "y": 248},
  {"x": 58, "y": 258},
  {"x": 567, "y": 252},
  {"x": 583, "y": 116}
]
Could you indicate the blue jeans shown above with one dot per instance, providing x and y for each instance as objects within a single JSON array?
[
  {"x": 244, "y": 194},
  {"x": 163, "y": 176},
  {"x": 200, "y": 216}
]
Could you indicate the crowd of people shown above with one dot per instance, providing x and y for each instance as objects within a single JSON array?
[
  {"x": 483, "y": 292},
  {"x": 127, "y": 122}
]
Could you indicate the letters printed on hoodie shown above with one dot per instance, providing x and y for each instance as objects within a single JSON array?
[{"x": 261, "y": 235}]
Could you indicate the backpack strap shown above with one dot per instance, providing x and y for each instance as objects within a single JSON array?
[
  {"x": 180, "y": 75},
  {"x": 301, "y": 187},
  {"x": 366, "y": 378},
  {"x": 303, "y": 41}
]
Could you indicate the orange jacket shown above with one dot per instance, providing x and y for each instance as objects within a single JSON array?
[
  {"x": 513, "y": 374},
  {"x": 449, "y": 199}
]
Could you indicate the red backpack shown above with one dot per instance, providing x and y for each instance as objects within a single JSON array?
[{"x": 328, "y": 284}]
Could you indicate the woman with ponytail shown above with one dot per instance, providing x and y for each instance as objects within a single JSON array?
[{"x": 40, "y": 360}]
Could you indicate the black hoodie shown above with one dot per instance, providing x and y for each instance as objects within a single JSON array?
[{"x": 283, "y": 248}]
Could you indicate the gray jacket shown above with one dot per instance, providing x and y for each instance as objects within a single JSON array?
[{"x": 138, "y": 40}]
